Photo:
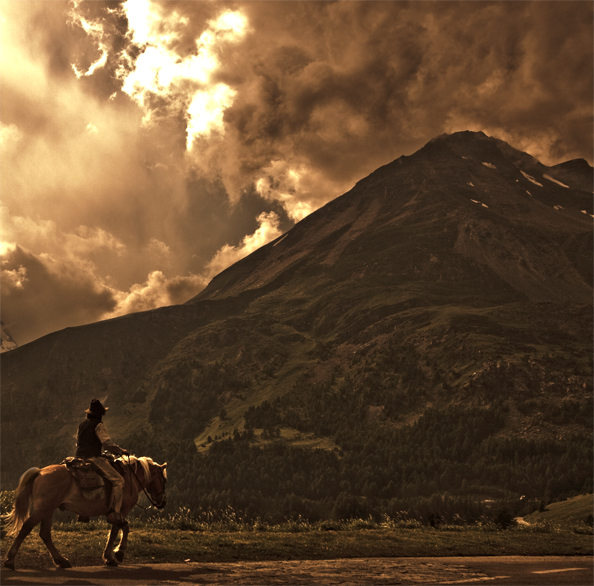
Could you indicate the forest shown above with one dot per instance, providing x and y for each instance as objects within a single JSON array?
[
  {"x": 450, "y": 463},
  {"x": 407, "y": 438}
]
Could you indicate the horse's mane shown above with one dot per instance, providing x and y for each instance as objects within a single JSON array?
[{"x": 144, "y": 462}]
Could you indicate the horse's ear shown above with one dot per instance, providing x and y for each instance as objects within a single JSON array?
[{"x": 163, "y": 465}]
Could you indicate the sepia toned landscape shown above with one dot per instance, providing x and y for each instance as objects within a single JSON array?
[{"x": 340, "y": 354}]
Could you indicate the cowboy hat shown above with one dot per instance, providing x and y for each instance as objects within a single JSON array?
[{"x": 96, "y": 408}]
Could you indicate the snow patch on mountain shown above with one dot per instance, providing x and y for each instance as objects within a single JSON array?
[
  {"x": 555, "y": 181},
  {"x": 531, "y": 179},
  {"x": 489, "y": 165},
  {"x": 279, "y": 241},
  {"x": 479, "y": 203}
]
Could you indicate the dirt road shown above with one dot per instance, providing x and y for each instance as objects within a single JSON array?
[{"x": 507, "y": 570}]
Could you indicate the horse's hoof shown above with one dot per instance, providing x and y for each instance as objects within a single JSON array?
[
  {"x": 64, "y": 564},
  {"x": 9, "y": 565},
  {"x": 111, "y": 563},
  {"x": 119, "y": 556}
]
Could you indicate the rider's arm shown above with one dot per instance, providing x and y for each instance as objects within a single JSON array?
[{"x": 106, "y": 442}]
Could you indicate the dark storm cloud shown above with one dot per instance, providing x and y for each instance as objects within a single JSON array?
[
  {"x": 374, "y": 79},
  {"x": 41, "y": 295}
]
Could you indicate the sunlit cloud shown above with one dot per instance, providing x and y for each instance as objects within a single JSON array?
[
  {"x": 95, "y": 30},
  {"x": 299, "y": 188},
  {"x": 163, "y": 81},
  {"x": 158, "y": 248},
  {"x": 205, "y": 112},
  {"x": 44, "y": 235},
  {"x": 6, "y": 247},
  {"x": 267, "y": 231},
  {"x": 15, "y": 278},
  {"x": 10, "y": 136},
  {"x": 156, "y": 291},
  {"x": 86, "y": 240}
]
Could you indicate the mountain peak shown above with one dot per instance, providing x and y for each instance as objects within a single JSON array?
[
  {"x": 467, "y": 135},
  {"x": 465, "y": 198}
]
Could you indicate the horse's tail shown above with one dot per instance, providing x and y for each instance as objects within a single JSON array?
[{"x": 15, "y": 519}]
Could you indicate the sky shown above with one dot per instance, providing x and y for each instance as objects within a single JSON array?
[{"x": 145, "y": 145}]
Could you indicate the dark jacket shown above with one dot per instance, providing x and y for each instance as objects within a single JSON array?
[{"x": 87, "y": 442}]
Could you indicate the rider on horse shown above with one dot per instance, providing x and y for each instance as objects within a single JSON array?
[{"x": 92, "y": 439}]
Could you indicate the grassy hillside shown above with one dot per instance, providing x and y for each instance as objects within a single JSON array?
[{"x": 573, "y": 510}]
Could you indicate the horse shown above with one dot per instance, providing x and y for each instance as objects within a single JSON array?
[{"x": 41, "y": 491}]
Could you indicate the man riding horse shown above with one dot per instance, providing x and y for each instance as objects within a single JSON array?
[
  {"x": 43, "y": 490},
  {"x": 91, "y": 440}
]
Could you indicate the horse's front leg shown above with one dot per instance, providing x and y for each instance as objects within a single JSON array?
[
  {"x": 121, "y": 550},
  {"x": 27, "y": 527},
  {"x": 108, "y": 556},
  {"x": 45, "y": 532}
]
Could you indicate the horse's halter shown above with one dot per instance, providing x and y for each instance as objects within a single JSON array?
[{"x": 162, "y": 475}]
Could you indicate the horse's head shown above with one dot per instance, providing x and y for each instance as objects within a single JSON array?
[
  {"x": 156, "y": 487},
  {"x": 155, "y": 479}
]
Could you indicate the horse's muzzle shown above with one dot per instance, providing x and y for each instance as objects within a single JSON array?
[{"x": 162, "y": 504}]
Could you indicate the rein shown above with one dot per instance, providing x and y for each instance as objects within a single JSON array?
[{"x": 153, "y": 503}]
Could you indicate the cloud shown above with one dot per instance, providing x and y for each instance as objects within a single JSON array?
[
  {"x": 41, "y": 294},
  {"x": 10, "y": 136},
  {"x": 163, "y": 79},
  {"x": 299, "y": 190},
  {"x": 364, "y": 83},
  {"x": 45, "y": 292},
  {"x": 157, "y": 291},
  {"x": 267, "y": 231}
]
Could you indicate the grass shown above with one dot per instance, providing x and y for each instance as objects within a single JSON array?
[
  {"x": 572, "y": 510},
  {"x": 179, "y": 538}
]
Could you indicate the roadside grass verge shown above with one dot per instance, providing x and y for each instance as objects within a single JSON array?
[{"x": 154, "y": 542}]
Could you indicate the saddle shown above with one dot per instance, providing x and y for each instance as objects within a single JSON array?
[{"x": 90, "y": 478}]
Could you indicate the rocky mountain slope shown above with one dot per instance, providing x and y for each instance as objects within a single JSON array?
[{"x": 455, "y": 281}]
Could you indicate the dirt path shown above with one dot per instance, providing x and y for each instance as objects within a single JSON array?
[{"x": 553, "y": 570}]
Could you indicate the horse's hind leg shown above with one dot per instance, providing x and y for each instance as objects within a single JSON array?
[
  {"x": 123, "y": 545},
  {"x": 45, "y": 532},
  {"x": 27, "y": 527}
]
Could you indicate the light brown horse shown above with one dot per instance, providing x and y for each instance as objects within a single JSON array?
[{"x": 41, "y": 491}]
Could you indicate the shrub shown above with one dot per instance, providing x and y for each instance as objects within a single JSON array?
[{"x": 504, "y": 518}]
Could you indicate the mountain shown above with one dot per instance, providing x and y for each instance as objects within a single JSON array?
[
  {"x": 428, "y": 331},
  {"x": 8, "y": 342}
]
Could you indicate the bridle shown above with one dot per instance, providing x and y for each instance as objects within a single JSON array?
[{"x": 163, "y": 478}]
